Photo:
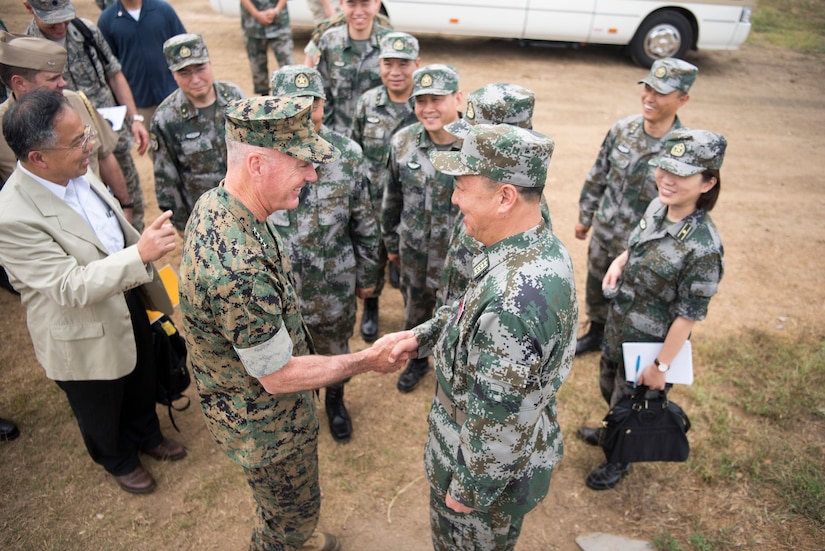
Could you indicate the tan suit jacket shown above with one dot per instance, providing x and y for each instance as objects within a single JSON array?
[{"x": 71, "y": 287}]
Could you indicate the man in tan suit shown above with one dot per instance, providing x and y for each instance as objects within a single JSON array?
[{"x": 85, "y": 278}]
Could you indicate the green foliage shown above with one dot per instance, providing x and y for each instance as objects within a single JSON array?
[
  {"x": 795, "y": 24},
  {"x": 664, "y": 541}
]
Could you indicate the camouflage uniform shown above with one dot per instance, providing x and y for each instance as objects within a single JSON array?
[
  {"x": 311, "y": 49},
  {"x": 332, "y": 239},
  {"x": 90, "y": 76},
  {"x": 188, "y": 150},
  {"x": 347, "y": 73},
  {"x": 277, "y": 35},
  {"x": 500, "y": 354}
]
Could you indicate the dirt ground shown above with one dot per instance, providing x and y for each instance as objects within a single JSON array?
[{"x": 769, "y": 103}]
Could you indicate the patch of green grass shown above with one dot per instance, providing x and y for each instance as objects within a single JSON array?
[
  {"x": 664, "y": 541},
  {"x": 795, "y": 24}
]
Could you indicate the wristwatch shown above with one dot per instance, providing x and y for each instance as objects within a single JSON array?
[
  {"x": 138, "y": 118},
  {"x": 662, "y": 367}
]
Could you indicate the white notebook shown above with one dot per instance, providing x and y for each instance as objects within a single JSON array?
[{"x": 681, "y": 368}]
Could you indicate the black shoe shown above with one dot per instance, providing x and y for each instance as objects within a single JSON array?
[
  {"x": 592, "y": 341},
  {"x": 607, "y": 475},
  {"x": 369, "y": 320},
  {"x": 8, "y": 430},
  {"x": 340, "y": 424},
  {"x": 590, "y": 435},
  {"x": 416, "y": 369},
  {"x": 395, "y": 277}
]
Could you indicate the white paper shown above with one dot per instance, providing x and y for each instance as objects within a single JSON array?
[
  {"x": 115, "y": 115},
  {"x": 681, "y": 368}
]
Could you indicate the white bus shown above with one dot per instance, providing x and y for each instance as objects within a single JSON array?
[{"x": 650, "y": 29}]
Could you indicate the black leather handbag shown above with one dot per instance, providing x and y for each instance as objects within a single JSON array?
[{"x": 645, "y": 429}]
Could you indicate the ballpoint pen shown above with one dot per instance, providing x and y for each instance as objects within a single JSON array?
[{"x": 638, "y": 364}]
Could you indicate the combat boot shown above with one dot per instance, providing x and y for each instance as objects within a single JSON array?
[
  {"x": 416, "y": 368},
  {"x": 369, "y": 320},
  {"x": 320, "y": 541},
  {"x": 340, "y": 424},
  {"x": 395, "y": 276},
  {"x": 8, "y": 430},
  {"x": 592, "y": 341}
]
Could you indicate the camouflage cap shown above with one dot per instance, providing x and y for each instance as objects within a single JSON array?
[
  {"x": 397, "y": 45},
  {"x": 30, "y": 52},
  {"x": 278, "y": 123},
  {"x": 501, "y": 152},
  {"x": 436, "y": 80},
  {"x": 498, "y": 103},
  {"x": 670, "y": 74},
  {"x": 184, "y": 50},
  {"x": 53, "y": 11},
  {"x": 297, "y": 80},
  {"x": 688, "y": 152}
]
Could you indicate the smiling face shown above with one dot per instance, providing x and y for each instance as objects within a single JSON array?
[
  {"x": 283, "y": 178},
  {"x": 434, "y": 112},
  {"x": 681, "y": 193},
  {"x": 661, "y": 108},
  {"x": 196, "y": 81},
  {"x": 478, "y": 201},
  {"x": 396, "y": 74},
  {"x": 68, "y": 157},
  {"x": 359, "y": 15}
]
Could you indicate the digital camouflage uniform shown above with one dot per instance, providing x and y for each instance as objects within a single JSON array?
[
  {"x": 188, "y": 150},
  {"x": 673, "y": 269},
  {"x": 88, "y": 73},
  {"x": 311, "y": 49},
  {"x": 347, "y": 73},
  {"x": 242, "y": 321},
  {"x": 277, "y": 35},
  {"x": 500, "y": 356}
]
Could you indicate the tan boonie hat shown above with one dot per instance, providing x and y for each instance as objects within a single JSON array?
[
  {"x": 687, "y": 152},
  {"x": 399, "y": 46},
  {"x": 278, "y": 123},
  {"x": 670, "y": 74},
  {"x": 30, "y": 52},
  {"x": 53, "y": 11},
  {"x": 436, "y": 80},
  {"x": 498, "y": 103},
  {"x": 501, "y": 152},
  {"x": 184, "y": 50},
  {"x": 297, "y": 80}
]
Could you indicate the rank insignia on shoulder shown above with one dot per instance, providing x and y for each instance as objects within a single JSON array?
[
  {"x": 471, "y": 113},
  {"x": 684, "y": 232},
  {"x": 412, "y": 165}
]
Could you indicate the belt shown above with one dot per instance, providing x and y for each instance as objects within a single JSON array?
[{"x": 458, "y": 415}]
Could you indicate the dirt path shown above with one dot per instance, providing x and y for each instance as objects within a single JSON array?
[{"x": 770, "y": 104}]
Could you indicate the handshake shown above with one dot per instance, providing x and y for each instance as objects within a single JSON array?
[{"x": 390, "y": 352}]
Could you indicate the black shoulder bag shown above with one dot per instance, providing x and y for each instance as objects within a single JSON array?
[
  {"x": 638, "y": 429},
  {"x": 170, "y": 364},
  {"x": 88, "y": 44}
]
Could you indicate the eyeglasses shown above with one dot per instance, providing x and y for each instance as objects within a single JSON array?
[{"x": 88, "y": 136}]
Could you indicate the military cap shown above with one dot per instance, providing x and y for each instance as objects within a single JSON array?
[
  {"x": 436, "y": 80},
  {"x": 183, "y": 50},
  {"x": 278, "y": 123},
  {"x": 498, "y": 103},
  {"x": 398, "y": 45},
  {"x": 687, "y": 152},
  {"x": 297, "y": 80},
  {"x": 53, "y": 11},
  {"x": 670, "y": 74},
  {"x": 501, "y": 152},
  {"x": 30, "y": 52}
]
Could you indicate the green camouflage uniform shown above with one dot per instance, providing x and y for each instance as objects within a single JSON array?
[
  {"x": 236, "y": 291},
  {"x": 277, "y": 35},
  {"x": 311, "y": 49},
  {"x": 83, "y": 74},
  {"x": 189, "y": 150},
  {"x": 347, "y": 73},
  {"x": 416, "y": 219},
  {"x": 332, "y": 240}
]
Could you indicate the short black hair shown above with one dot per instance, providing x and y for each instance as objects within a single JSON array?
[{"x": 28, "y": 125}]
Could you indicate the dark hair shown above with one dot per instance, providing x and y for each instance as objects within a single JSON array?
[
  {"x": 529, "y": 194},
  {"x": 708, "y": 199},
  {"x": 28, "y": 125},
  {"x": 8, "y": 71}
]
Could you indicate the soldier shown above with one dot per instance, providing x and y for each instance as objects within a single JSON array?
[
  {"x": 348, "y": 61},
  {"x": 248, "y": 346},
  {"x": 676, "y": 237},
  {"x": 417, "y": 216},
  {"x": 620, "y": 185},
  {"x": 188, "y": 129},
  {"x": 266, "y": 23},
  {"x": 332, "y": 239},
  {"x": 95, "y": 71},
  {"x": 502, "y": 352},
  {"x": 379, "y": 114},
  {"x": 311, "y": 51},
  {"x": 28, "y": 64},
  {"x": 498, "y": 103}
]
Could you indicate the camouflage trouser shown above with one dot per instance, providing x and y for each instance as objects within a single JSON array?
[
  {"x": 419, "y": 300},
  {"x": 329, "y": 346},
  {"x": 256, "y": 46},
  {"x": 288, "y": 500},
  {"x": 613, "y": 384},
  {"x": 598, "y": 261},
  {"x": 476, "y": 531},
  {"x": 123, "y": 154}
]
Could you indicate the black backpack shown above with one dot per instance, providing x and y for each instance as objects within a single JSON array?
[{"x": 170, "y": 363}]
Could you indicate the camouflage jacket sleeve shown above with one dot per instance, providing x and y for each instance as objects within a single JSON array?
[
  {"x": 596, "y": 181},
  {"x": 393, "y": 202},
  {"x": 167, "y": 176}
]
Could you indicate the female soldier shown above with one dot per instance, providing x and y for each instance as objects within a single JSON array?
[{"x": 663, "y": 282}]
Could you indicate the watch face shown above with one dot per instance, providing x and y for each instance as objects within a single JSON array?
[{"x": 663, "y": 367}]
